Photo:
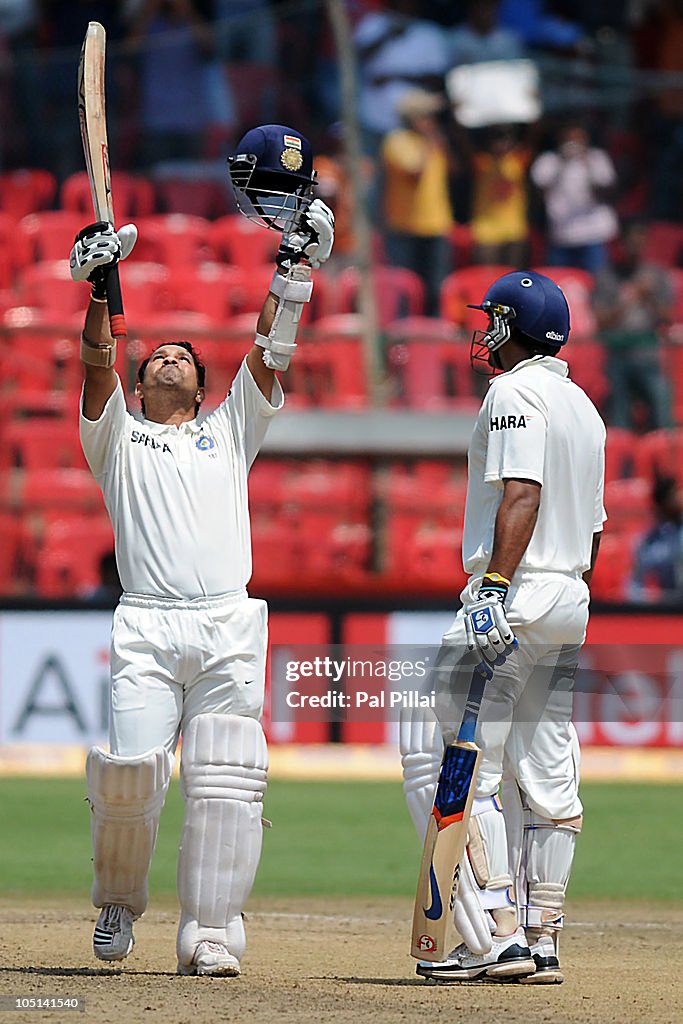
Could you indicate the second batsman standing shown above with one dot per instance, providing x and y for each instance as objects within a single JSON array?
[{"x": 533, "y": 521}]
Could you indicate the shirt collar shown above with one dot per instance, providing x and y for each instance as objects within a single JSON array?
[
  {"x": 551, "y": 363},
  {"x": 191, "y": 427}
]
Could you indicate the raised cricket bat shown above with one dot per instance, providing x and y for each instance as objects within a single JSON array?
[
  {"x": 434, "y": 934},
  {"x": 93, "y": 120}
]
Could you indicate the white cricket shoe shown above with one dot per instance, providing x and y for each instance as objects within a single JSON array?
[
  {"x": 548, "y": 970},
  {"x": 510, "y": 957},
  {"x": 113, "y": 935},
  {"x": 212, "y": 958}
]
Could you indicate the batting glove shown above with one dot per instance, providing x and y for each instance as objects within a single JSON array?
[
  {"x": 488, "y": 630},
  {"x": 313, "y": 239},
  {"x": 97, "y": 249}
]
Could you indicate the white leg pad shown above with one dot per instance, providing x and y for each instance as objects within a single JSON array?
[
  {"x": 421, "y": 746},
  {"x": 223, "y": 777},
  {"x": 471, "y": 920},
  {"x": 488, "y": 852},
  {"x": 547, "y": 855},
  {"x": 126, "y": 795}
]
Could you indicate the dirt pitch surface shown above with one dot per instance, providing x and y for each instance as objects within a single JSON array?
[{"x": 346, "y": 962}]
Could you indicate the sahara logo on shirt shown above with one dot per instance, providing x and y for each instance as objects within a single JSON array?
[
  {"x": 204, "y": 443},
  {"x": 149, "y": 441},
  {"x": 509, "y": 422}
]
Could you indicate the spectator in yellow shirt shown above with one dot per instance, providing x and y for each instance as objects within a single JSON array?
[
  {"x": 499, "y": 223},
  {"x": 417, "y": 211}
]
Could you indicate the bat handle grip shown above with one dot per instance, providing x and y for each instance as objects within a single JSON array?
[{"x": 117, "y": 319}]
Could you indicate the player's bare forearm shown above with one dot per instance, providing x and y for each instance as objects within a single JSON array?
[
  {"x": 588, "y": 575},
  {"x": 515, "y": 524},
  {"x": 261, "y": 373},
  {"x": 100, "y": 381}
]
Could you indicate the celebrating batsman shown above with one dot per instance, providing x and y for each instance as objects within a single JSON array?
[
  {"x": 533, "y": 520},
  {"x": 188, "y": 644}
]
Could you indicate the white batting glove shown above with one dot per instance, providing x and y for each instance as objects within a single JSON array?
[
  {"x": 97, "y": 248},
  {"x": 313, "y": 239},
  {"x": 488, "y": 630}
]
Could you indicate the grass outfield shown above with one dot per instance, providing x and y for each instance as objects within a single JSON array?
[{"x": 337, "y": 839}]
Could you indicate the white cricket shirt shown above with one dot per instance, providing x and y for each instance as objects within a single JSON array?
[
  {"x": 536, "y": 424},
  {"x": 177, "y": 496}
]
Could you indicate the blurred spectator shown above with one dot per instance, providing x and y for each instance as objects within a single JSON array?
[
  {"x": 397, "y": 51},
  {"x": 333, "y": 185},
  {"x": 417, "y": 209},
  {"x": 183, "y": 88},
  {"x": 658, "y": 569},
  {"x": 632, "y": 300},
  {"x": 499, "y": 221},
  {"x": 480, "y": 38},
  {"x": 539, "y": 27},
  {"x": 574, "y": 179},
  {"x": 245, "y": 41}
]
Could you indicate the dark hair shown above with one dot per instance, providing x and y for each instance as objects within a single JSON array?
[{"x": 199, "y": 366}]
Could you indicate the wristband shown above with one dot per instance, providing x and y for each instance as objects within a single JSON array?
[
  {"x": 97, "y": 355},
  {"x": 494, "y": 583}
]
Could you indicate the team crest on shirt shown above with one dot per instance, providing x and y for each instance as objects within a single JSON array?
[{"x": 204, "y": 443}]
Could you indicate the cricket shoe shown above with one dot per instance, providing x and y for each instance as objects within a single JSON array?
[
  {"x": 212, "y": 958},
  {"x": 509, "y": 958},
  {"x": 547, "y": 964},
  {"x": 113, "y": 935}
]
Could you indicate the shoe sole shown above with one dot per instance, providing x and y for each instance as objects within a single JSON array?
[
  {"x": 502, "y": 971},
  {"x": 191, "y": 971},
  {"x": 112, "y": 957},
  {"x": 549, "y": 977}
]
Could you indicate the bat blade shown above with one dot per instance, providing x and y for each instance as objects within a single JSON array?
[
  {"x": 434, "y": 934},
  {"x": 93, "y": 122}
]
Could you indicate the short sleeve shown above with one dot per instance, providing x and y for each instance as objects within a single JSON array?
[
  {"x": 248, "y": 411},
  {"x": 600, "y": 515},
  {"x": 517, "y": 426},
  {"x": 545, "y": 170},
  {"x": 100, "y": 438}
]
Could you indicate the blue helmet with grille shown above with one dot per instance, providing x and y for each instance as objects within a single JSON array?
[
  {"x": 527, "y": 302},
  {"x": 272, "y": 175}
]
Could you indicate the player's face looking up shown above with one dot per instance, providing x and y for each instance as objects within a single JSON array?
[{"x": 169, "y": 378}]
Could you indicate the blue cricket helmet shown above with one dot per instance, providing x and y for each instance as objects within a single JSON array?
[
  {"x": 528, "y": 302},
  {"x": 272, "y": 176}
]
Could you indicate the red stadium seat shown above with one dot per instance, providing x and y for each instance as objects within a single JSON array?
[
  {"x": 209, "y": 288},
  {"x": 430, "y": 362},
  {"x": 66, "y": 490},
  {"x": 48, "y": 286},
  {"x": 587, "y": 368},
  {"x": 612, "y": 572},
  {"x": 398, "y": 292},
  {"x": 14, "y": 253},
  {"x": 660, "y": 454},
  {"x": 465, "y": 287},
  {"x": 32, "y": 361},
  {"x": 133, "y": 196},
  {"x": 49, "y": 235},
  {"x": 11, "y": 534},
  {"x": 40, "y": 444},
  {"x": 620, "y": 454},
  {"x": 664, "y": 243},
  {"x": 174, "y": 239},
  {"x": 629, "y": 505},
  {"x": 329, "y": 368},
  {"x": 241, "y": 243},
  {"x": 68, "y": 559},
  {"x": 146, "y": 290},
  {"x": 191, "y": 196},
  {"x": 26, "y": 191}
]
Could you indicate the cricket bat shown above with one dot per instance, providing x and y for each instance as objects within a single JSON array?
[
  {"x": 434, "y": 934},
  {"x": 93, "y": 121}
]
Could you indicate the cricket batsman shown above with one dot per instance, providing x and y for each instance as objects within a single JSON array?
[
  {"x": 188, "y": 648},
  {"x": 533, "y": 521}
]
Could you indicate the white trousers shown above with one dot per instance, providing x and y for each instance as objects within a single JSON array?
[
  {"x": 172, "y": 660},
  {"x": 525, "y": 719}
]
